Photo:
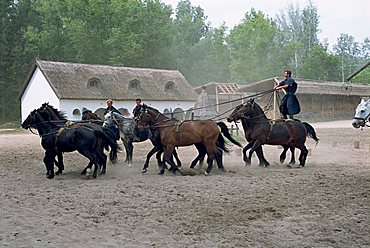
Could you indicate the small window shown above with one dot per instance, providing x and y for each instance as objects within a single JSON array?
[
  {"x": 76, "y": 112},
  {"x": 93, "y": 83},
  {"x": 134, "y": 84},
  {"x": 170, "y": 86}
]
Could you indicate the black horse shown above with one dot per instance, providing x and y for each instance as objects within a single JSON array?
[
  {"x": 56, "y": 140},
  {"x": 60, "y": 119}
]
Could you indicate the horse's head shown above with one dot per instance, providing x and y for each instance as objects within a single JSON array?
[
  {"x": 362, "y": 114},
  {"x": 29, "y": 122},
  {"x": 54, "y": 114},
  {"x": 242, "y": 110},
  {"x": 236, "y": 114},
  {"x": 89, "y": 115},
  {"x": 147, "y": 116},
  {"x": 108, "y": 119}
]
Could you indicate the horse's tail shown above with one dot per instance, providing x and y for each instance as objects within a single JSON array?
[
  {"x": 221, "y": 144},
  {"x": 311, "y": 132},
  {"x": 225, "y": 132},
  {"x": 111, "y": 142}
]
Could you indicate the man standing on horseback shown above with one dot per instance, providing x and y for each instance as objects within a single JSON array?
[{"x": 289, "y": 105}]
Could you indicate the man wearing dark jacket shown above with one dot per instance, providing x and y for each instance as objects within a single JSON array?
[{"x": 289, "y": 105}]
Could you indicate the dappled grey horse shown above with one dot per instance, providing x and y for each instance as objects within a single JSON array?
[{"x": 362, "y": 114}]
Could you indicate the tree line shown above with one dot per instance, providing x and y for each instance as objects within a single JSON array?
[{"x": 151, "y": 34}]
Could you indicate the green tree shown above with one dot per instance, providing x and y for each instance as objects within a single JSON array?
[
  {"x": 252, "y": 48},
  {"x": 190, "y": 27},
  {"x": 348, "y": 50},
  {"x": 211, "y": 58},
  {"x": 297, "y": 35},
  {"x": 320, "y": 65}
]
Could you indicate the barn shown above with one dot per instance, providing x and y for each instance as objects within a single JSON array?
[
  {"x": 319, "y": 100},
  {"x": 71, "y": 87}
]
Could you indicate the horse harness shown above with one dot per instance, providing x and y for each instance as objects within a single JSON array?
[{"x": 365, "y": 119}]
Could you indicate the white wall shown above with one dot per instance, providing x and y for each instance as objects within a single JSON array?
[
  {"x": 69, "y": 105},
  {"x": 37, "y": 92}
]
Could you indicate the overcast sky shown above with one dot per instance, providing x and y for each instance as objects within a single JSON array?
[{"x": 336, "y": 17}]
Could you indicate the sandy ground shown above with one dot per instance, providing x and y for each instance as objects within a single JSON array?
[{"x": 325, "y": 204}]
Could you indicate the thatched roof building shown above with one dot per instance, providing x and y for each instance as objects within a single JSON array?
[
  {"x": 71, "y": 87},
  {"x": 86, "y": 81}
]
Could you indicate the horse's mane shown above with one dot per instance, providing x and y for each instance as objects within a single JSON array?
[
  {"x": 61, "y": 114},
  {"x": 157, "y": 111}
]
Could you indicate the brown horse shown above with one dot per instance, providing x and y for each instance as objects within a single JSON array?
[
  {"x": 174, "y": 133},
  {"x": 261, "y": 130}
]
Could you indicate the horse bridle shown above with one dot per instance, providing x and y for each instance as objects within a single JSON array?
[{"x": 365, "y": 119}]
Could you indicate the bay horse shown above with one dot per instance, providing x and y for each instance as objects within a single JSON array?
[
  {"x": 237, "y": 115},
  {"x": 362, "y": 114},
  {"x": 57, "y": 118},
  {"x": 174, "y": 133},
  {"x": 129, "y": 134},
  {"x": 289, "y": 133}
]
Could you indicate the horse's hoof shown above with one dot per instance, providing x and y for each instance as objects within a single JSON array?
[
  {"x": 50, "y": 176},
  {"x": 282, "y": 161},
  {"x": 144, "y": 171},
  {"x": 206, "y": 173},
  {"x": 161, "y": 172}
]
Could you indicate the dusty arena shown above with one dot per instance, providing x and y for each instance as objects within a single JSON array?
[{"x": 325, "y": 204}]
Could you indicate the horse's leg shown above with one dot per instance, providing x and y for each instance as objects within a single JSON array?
[
  {"x": 179, "y": 164},
  {"x": 261, "y": 157},
  {"x": 129, "y": 151},
  {"x": 102, "y": 159},
  {"x": 256, "y": 144},
  {"x": 60, "y": 164},
  {"x": 158, "y": 157},
  {"x": 148, "y": 156},
  {"x": 211, "y": 152},
  {"x": 92, "y": 157},
  {"x": 49, "y": 163},
  {"x": 201, "y": 154},
  {"x": 246, "y": 159},
  {"x": 283, "y": 154},
  {"x": 303, "y": 155},
  {"x": 126, "y": 145},
  {"x": 83, "y": 172},
  {"x": 292, "y": 159},
  {"x": 218, "y": 157},
  {"x": 168, "y": 151}
]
